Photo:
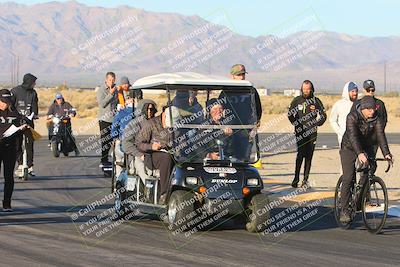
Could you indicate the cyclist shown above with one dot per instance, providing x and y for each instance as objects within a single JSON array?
[{"x": 362, "y": 125}]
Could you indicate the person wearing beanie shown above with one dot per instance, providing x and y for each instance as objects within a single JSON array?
[
  {"x": 362, "y": 124},
  {"x": 341, "y": 109},
  {"x": 380, "y": 110},
  {"x": 306, "y": 113},
  {"x": 26, "y": 103}
]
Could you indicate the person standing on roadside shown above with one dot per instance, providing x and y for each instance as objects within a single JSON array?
[
  {"x": 380, "y": 110},
  {"x": 342, "y": 108},
  {"x": 107, "y": 98},
  {"x": 306, "y": 113},
  {"x": 10, "y": 133},
  {"x": 26, "y": 103}
]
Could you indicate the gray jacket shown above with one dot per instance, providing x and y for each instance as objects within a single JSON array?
[
  {"x": 133, "y": 128},
  {"x": 107, "y": 104}
]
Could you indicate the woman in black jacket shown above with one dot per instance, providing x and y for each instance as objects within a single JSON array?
[{"x": 10, "y": 129}]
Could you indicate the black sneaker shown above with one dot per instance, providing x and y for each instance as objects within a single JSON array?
[
  {"x": 305, "y": 184},
  {"x": 7, "y": 206},
  {"x": 295, "y": 184}
]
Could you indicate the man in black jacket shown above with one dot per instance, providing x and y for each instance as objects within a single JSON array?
[
  {"x": 380, "y": 110},
  {"x": 306, "y": 113},
  {"x": 361, "y": 125},
  {"x": 26, "y": 103},
  {"x": 10, "y": 129}
]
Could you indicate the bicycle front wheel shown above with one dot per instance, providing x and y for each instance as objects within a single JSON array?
[{"x": 375, "y": 203}]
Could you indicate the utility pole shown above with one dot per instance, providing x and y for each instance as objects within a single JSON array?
[{"x": 384, "y": 76}]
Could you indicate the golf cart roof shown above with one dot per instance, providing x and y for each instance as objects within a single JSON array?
[{"x": 161, "y": 81}]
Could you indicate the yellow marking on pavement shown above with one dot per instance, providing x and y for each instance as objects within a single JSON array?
[{"x": 313, "y": 196}]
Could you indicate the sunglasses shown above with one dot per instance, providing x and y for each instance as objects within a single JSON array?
[{"x": 370, "y": 90}]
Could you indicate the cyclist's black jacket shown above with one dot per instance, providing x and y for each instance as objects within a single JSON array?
[{"x": 360, "y": 133}]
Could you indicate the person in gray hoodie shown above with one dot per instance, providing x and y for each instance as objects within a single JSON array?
[
  {"x": 107, "y": 99},
  {"x": 342, "y": 108},
  {"x": 145, "y": 110}
]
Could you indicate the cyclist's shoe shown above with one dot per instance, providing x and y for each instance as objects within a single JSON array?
[
  {"x": 344, "y": 217},
  {"x": 295, "y": 184},
  {"x": 31, "y": 172}
]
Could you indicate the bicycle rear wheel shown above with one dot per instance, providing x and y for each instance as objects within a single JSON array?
[
  {"x": 375, "y": 203},
  {"x": 338, "y": 206}
]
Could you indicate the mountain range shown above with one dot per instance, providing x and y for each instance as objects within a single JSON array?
[{"x": 76, "y": 44}]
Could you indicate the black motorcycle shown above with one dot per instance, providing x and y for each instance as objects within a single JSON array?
[{"x": 61, "y": 139}]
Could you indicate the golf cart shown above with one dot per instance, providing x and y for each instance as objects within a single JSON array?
[{"x": 212, "y": 121}]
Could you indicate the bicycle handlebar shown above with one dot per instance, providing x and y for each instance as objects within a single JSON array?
[{"x": 390, "y": 163}]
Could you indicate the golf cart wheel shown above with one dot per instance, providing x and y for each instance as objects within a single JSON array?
[
  {"x": 259, "y": 213},
  {"x": 54, "y": 149},
  {"x": 179, "y": 207}
]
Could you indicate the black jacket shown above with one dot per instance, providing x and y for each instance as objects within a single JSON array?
[
  {"x": 360, "y": 133},
  {"x": 59, "y": 110},
  {"x": 380, "y": 109},
  {"x": 25, "y": 97},
  {"x": 9, "y": 117},
  {"x": 303, "y": 117}
]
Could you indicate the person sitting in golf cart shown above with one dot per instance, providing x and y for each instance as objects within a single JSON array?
[
  {"x": 145, "y": 110},
  {"x": 154, "y": 140},
  {"x": 222, "y": 137}
]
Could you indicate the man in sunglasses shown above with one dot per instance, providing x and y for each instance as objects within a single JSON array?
[{"x": 380, "y": 110}]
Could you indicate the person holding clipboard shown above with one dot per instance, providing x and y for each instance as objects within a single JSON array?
[{"x": 11, "y": 128}]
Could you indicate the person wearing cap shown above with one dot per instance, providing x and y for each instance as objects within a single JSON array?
[
  {"x": 357, "y": 144},
  {"x": 59, "y": 108},
  {"x": 306, "y": 113},
  {"x": 107, "y": 98},
  {"x": 369, "y": 90},
  {"x": 238, "y": 72},
  {"x": 10, "y": 133},
  {"x": 342, "y": 108},
  {"x": 380, "y": 109},
  {"x": 26, "y": 103}
]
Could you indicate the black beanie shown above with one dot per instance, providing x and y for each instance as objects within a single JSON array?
[{"x": 367, "y": 102}]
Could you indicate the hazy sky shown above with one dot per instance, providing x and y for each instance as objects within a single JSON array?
[{"x": 258, "y": 17}]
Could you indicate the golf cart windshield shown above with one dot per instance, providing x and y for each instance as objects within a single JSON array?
[{"x": 213, "y": 125}]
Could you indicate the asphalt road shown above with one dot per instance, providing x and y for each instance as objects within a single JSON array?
[{"x": 47, "y": 229}]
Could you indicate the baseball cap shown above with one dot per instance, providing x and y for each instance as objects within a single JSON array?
[
  {"x": 369, "y": 84},
  {"x": 238, "y": 69},
  {"x": 59, "y": 96},
  {"x": 6, "y": 96}
]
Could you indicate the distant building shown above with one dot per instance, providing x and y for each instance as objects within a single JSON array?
[
  {"x": 263, "y": 92},
  {"x": 291, "y": 92}
]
